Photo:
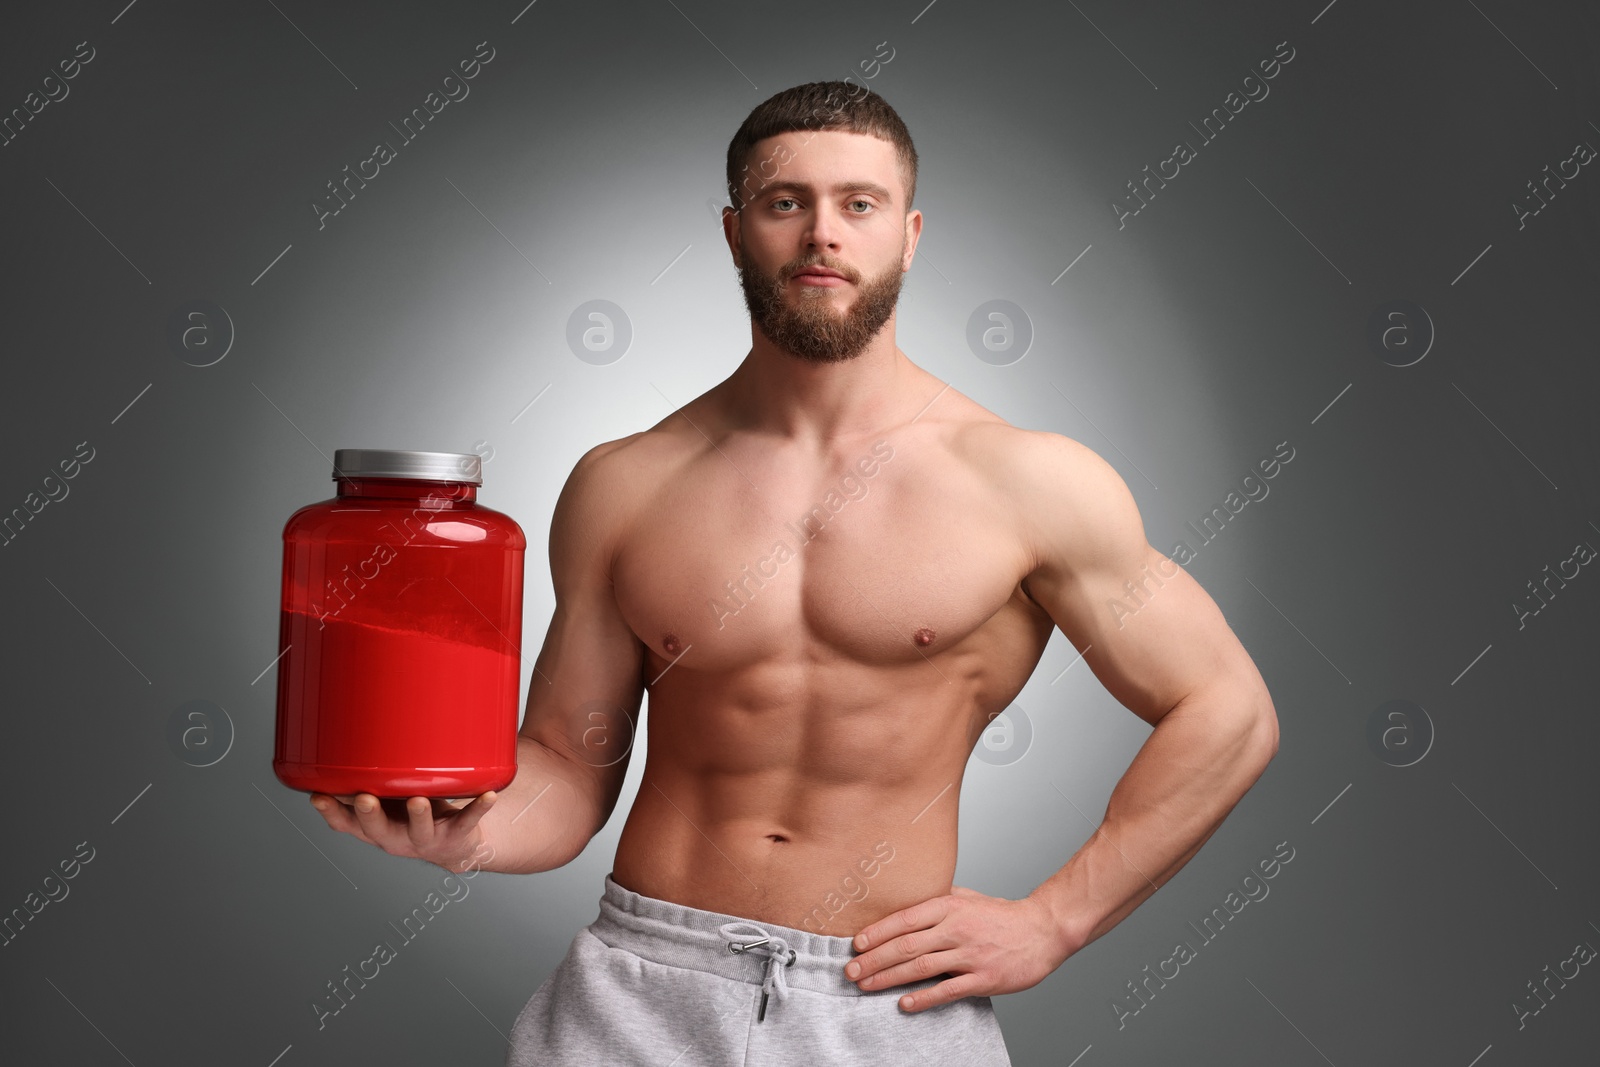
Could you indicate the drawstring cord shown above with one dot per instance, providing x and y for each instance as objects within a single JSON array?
[{"x": 775, "y": 949}]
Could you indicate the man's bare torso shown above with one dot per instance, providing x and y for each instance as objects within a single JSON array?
[{"x": 828, "y": 637}]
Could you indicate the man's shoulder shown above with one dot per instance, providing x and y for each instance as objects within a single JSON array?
[
  {"x": 1068, "y": 503},
  {"x": 1023, "y": 459},
  {"x": 612, "y": 481},
  {"x": 606, "y": 489},
  {"x": 1040, "y": 467},
  {"x": 611, "y": 469}
]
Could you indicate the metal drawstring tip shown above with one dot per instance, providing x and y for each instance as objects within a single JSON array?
[{"x": 762, "y": 1014}]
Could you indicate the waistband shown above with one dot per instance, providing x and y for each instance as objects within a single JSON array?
[{"x": 680, "y": 936}]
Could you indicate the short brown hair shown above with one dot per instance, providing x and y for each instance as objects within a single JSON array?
[{"x": 832, "y": 105}]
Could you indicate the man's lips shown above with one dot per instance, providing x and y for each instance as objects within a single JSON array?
[{"x": 820, "y": 276}]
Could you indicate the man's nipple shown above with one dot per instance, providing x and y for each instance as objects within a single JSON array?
[
  {"x": 670, "y": 643},
  {"x": 924, "y": 636}
]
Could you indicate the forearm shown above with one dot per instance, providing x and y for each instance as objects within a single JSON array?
[
  {"x": 545, "y": 817},
  {"x": 1201, "y": 758}
]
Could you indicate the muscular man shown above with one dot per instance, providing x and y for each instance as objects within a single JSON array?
[{"x": 830, "y": 572}]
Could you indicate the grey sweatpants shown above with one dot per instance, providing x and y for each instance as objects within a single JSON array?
[{"x": 650, "y": 982}]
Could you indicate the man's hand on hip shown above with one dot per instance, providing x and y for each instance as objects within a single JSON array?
[{"x": 988, "y": 944}]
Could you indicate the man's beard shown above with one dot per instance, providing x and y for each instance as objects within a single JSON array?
[{"x": 810, "y": 329}]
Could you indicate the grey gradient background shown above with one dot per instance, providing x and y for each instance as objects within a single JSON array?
[{"x": 1228, "y": 316}]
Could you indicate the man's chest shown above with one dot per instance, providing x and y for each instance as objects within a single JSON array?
[{"x": 882, "y": 569}]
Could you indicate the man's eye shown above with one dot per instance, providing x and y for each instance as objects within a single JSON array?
[
  {"x": 867, "y": 203},
  {"x": 784, "y": 200}
]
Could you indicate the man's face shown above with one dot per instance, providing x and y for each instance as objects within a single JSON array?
[{"x": 822, "y": 199}]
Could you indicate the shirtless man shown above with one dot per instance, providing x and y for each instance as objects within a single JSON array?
[{"x": 830, "y": 572}]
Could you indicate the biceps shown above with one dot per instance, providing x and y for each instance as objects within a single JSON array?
[
  {"x": 583, "y": 700},
  {"x": 1153, "y": 634}
]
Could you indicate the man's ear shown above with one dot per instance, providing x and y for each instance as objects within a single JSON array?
[
  {"x": 913, "y": 232},
  {"x": 730, "y": 231}
]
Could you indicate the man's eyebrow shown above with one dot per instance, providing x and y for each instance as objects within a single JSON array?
[{"x": 842, "y": 187}]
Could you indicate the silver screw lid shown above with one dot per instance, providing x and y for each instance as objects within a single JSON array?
[{"x": 394, "y": 463}]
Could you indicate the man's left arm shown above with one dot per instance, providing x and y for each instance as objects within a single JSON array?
[{"x": 1161, "y": 647}]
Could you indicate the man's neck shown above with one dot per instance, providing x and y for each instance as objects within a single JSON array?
[{"x": 813, "y": 404}]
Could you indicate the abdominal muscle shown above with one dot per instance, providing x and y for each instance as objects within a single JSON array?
[
  {"x": 816, "y": 814},
  {"x": 833, "y": 881}
]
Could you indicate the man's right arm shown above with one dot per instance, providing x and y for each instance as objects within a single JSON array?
[
  {"x": 577, "y": 735},
  {"x": 583, "y": 700}
]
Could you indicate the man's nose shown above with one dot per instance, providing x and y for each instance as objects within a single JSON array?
[{"x": 823, "y": 232}]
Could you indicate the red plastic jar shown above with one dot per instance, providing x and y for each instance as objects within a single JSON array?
[{"x": 402, "y": 620}]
